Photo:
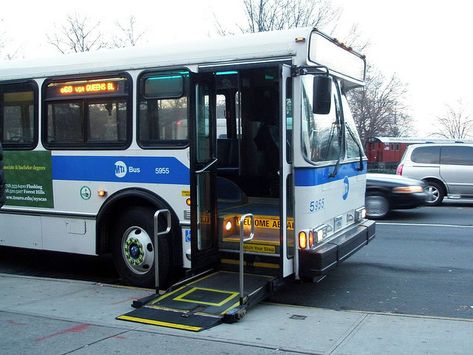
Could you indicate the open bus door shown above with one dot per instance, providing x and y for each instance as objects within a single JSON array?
[{"x": 204, "y": 240}]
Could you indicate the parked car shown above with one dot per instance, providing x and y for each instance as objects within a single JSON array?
[
  {"x": 446, "y": 169},
  {"x": 386, "y": 192}
]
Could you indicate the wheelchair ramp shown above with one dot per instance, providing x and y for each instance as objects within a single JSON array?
[{"x": 203, "y": 303}]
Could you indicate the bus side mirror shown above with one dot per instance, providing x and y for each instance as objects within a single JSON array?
[{"x": 322, "y": 95}]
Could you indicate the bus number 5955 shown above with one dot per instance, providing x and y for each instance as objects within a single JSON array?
[{"x": 316, "y": 205}]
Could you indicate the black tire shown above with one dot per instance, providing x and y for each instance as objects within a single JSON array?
[
  {"x": 133, "y": 233},
  {"x": 436, "y": 193},
  {"x": 377, "y": 205}
]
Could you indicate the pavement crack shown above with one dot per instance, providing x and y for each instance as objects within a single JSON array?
[
  {"x": 97, "y": 341},
  {"x": 349, "y": 333}
]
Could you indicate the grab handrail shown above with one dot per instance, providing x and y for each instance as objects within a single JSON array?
[{"x": 242, "y": 241}]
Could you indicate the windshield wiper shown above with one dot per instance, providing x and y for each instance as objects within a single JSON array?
[
  {"x": 360, "y": 151},
  {"x": 335, "y": 169},
  {"x": 337, "y": 164}
]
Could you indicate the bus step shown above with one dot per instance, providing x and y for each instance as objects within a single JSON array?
[
  {"x": 254, "y": 264},
  {"x": 203, "y": 303}
]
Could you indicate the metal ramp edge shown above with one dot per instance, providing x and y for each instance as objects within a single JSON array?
[
  {"x": 203, "y": 303},
  {"x": 171, "y": 319}
]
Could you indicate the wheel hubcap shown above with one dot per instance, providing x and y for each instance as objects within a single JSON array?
[
  {"x": 376, "y": 206},
  {"x": 433, "y": 194},
  {"x": 138, "y": 251}
]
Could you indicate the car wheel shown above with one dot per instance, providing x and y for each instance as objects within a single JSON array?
[
  {"x": 377, "y": 206},
  {"x": 436, "y": 193},
  {"x": 133, "y": 249}
]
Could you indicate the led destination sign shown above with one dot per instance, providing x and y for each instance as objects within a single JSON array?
[
  {"x": 87, "y": 88},
  {"x": 106, "y": 86}
]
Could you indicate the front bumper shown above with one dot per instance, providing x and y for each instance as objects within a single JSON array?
[
  {"x": 411, "y": 200},
  {"x": 320, "y": 261}
]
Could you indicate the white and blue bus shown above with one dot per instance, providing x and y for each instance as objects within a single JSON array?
[{"x": 255, "y": 125}]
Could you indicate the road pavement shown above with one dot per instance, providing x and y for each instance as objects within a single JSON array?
[
  {"x": 39, "y": 315},
  {"x": 407, "y": 269}
]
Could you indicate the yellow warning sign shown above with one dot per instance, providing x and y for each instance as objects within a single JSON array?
[
  {"x": 270, "y": 222},
  {"x": 258, "y": 248},
  {"x": 186, "y": 193}
]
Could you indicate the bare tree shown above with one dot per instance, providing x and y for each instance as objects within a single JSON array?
[
  {"x": 354, "y": 39},
  {"x": 379, "y": 108},
  {"x": 2, "y": 36},
  {"x": 269, "y": 15},
  {"x": 78, "y": 34},
  {"x": 7, "y": 50},
  {"x": 455, "y": 122},
  {"x": 13, "y": 54},
  {"x": 272, "y": 15},
  {"x": 129, "y": 34}
]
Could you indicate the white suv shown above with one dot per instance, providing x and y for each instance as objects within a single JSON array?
[{"x": 446, "y": 169}]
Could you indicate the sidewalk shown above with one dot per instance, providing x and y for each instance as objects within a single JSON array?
[{"x": 60, "y": 316}]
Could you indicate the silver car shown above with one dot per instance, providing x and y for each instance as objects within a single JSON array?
[{"x": 446, "y": 169}]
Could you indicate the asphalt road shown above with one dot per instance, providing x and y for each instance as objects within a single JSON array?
[{"x": 421, "y": 262}]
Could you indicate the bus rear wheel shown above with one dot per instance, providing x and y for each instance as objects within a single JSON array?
[{"x": 133, "y": 249}]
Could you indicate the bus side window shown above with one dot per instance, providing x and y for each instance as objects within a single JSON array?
[
  {"x": 65, "y": 123},
  {"x": 91, "y": 113},
  {"x": 107, "y": 121},
  {"x": 18, "y": 116},
  {"x": 163, "y": 113}
]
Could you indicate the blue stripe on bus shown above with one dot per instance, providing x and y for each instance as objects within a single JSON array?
[
  {"x": 320, "y": 176},
  {"x": 158, "y": 170}
]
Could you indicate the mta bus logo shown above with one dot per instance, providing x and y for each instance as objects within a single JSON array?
[
  {"x": 120, "y": 169},
  {"x": 346, "y": 184}
]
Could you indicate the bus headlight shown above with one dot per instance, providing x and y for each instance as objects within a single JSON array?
[
  {"x": 311, "y": 239},
  {"x": 320, "y": 233},
  {"x": 228, "y": 226},
  {"x": 360, "y": 213}
]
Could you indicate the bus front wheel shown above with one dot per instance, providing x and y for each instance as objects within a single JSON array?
[{"x": 133, "y": 249}]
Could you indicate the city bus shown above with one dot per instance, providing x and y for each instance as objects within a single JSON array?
[{"x": 246, "y": 144}]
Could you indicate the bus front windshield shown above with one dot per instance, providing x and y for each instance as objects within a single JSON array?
[{"x": 321, "y": 134}]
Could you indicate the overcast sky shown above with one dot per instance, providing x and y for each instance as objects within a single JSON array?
[{"x": 426, "y": 43}]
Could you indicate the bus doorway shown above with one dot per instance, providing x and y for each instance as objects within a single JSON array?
[
  {"x": 236, "y": 173},
  {"x": 250, "y": 157}
]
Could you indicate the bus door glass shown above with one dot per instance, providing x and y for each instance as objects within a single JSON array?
[{"x": 204, "y": 167}]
